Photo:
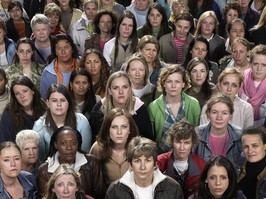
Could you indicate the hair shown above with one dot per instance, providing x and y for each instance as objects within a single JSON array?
[
  {"x": 187, "y": 17},
  {"x": 169, "y": 70},
  {"x": 257, "y": 50},
  {"x": 90, "y": 98},
  {"x": 39, "y": 19},
  {"x": 16, "y": 110},
  {"x": 103, "y": 138},
  {"x": 141, "y": 146},
  {"x": 178, "y": 2},
  {"x": 98, "y": 16},
  {"x": 14, "y": 4},
  {"x": 133, "y": 36},
  {"x": 27, "y": 135},
  {"x": 203, "y": 16},
  {"x": 105, "y": 69},
  {"x": 52, "y": 9},
  {"x": 71, "y": 4},
  {"x": 108, "y": 105},
  {"x": 63, "y": 169},
  {"x": 69, "y": 40},
  {"x": 231, "y": 6},
  {"x": 230, "y": 25},
  {"x": 96, "y": 3},
  {"x": 193, "y": 7},
  {"x": 231, "y": 71},
  {"x": 241, "y": 40},
  {"x": 3, "y": 25},
  {"x": 149, "y": 39},
  {"x": 54, "y": 138},
  {"x": 182, "y": 130},
  {"x": 8, "y": 144},
  {"x": 164, "y": 27},
  {"x": 222, "y": 99},
  {"x": 101, "y": 5},
  {"x": 70, "y": 119},
  {"x": 261, "y": 131},
  {"x": 141, "y": 58},
  {"x": 3, "y": 74},
  {"x": 206, "y": 86}
]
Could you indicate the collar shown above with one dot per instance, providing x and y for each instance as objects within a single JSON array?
[{"x": 58, "y": 72}]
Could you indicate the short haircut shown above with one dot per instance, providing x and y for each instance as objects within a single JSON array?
[
  {"x": 39, "y": 19},
  {"x": 261, "y": 131},
  {"x": 13, "y": 4},
  {"x": 258, "y": 50},
  {"x": 231, "y": 71},
  {"x": 52, "y": 9},
  {"x": 241, "y": 40},
  {"x": 27, "y": 135}
]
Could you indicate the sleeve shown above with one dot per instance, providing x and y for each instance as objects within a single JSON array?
[
  {"x": 85, "y": 130},
  {"x": 96, "y": 119},
  {"x": 152, "y": 119},
  {"x": 203, "y": 117},
  {"x": 107, "y": 53},
  {"x": 6, "y": 128},
  {"x": 44, "y": 84}
]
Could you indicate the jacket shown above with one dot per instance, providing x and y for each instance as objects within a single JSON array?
[
  {"x": 234, "y": 150},
  {"x": 168, "y": 52},
  {"x": 195, "y": 166},
  {"x": 45, "y": 133},
  {"x": 216, "y": 48},
  {"x": 157, "y": 113},
  {"x": 10, "y": 49},
  {"x": 88, "y": 167},
  {"x": 163, "y": 187},
  {"x": 28, "y": 184}
]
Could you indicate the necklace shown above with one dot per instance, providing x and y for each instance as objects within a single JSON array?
[{"x": 214, "y": 149}]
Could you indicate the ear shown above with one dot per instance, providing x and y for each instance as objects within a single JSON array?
[
  {"x": 47, "y": 103},
  {"x": 183, "y": 84}
]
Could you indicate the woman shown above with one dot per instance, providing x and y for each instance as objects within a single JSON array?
[
  {"x": 253, "y": 87},
  {"x": 24, "y": 108},
  {"x": 180, "y": 163},
  {"x": 96, "y": 65},
  {"x": 124, "y": 43},
  {"x": 24, "y": 63},
  {"x": 53, "y": 13},
  {"x": 14, "y": 183},
  {"x": 65, "y": 176},
  {"x": 119, "y": 95},
  {"x": 28, "y": 142},
  {"x": 137, "y": 69},
  {"x": 173, "y": 105},
  {"x": 7, "y": 47},
  {"x": 104, "y": 30},
  {"x": 166, "y": 6},
  {"x": 201, "y": 88},
  {"x": 60, "y": 112},
  {"x": 218, "y": 180},
  {"x": 111, "y": 144},
  {"x": 111, "y": 5},
  {"x": 252, "y": 178},
  {"x": 229, "y": 83},
  {"x": 156, "y": 22},
  {"x": 69, "y": 13},
  {"x": 218, "y": 137},
  {"x": 65, "y": 148},
  {"x": 63, "y": 60},
  {"x": 17, "y": 26},
  {"x": 149, "y": 47},
  {"x": 82, "y": 92},
  {"x": 4, "y": 91},
  {"x": 207, "y": 27},
  {"x": 199, "y": 47},
  {"x": 143, "y": 179}
]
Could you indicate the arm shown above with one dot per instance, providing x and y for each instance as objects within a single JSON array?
[{"x": 84, "y": 128}]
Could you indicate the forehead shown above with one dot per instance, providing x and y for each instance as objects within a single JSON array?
[
  {"x": 40, "y": 26},
  {"x": 127, "y": 20},
  {"x": 251, "y": 138},
  {"x": 209, "y": 19},
  {"x": 24, "y": 45},
  {"x": 220, "y": 106},
  {"x": 231, "y": 78},
  {"x": 67, "y": 134},
  {"x": 200, "y": 44},
  {"x": 119, "y": 81},
  {"x": 62, "y": 42}
]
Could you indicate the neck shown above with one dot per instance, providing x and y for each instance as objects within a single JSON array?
[
  {"x": 108, "y": 6},
  {"x": 53, "y": 28},
  {"x": 59, "y": 120},
  {"x": 18, "y": 21},
  {"x": 196, "y": 88},
  {"x": 43, "y": 44},
  {"x": 124, "y": 40},
  {"x": 218, "y": 132},
  {"x": 79, "y": 98},
  {"x": 95, "y": 78},
  {"x": 65, "y": 66},
  {"x": 9, "y": 181},
  {"x": 144, "y": 183},
  {"x": 64, "y": 8},
  {"x": 26, "y": 167},
  {"x": 173, "y": 100},
  {"x": 137, "y": 86},
  {"x": 116, "y": 105},
  {"x": 5, "y": 4},
  {"x": 105, "y": 36},
  {"x": 26, "y": 65},
  {"x": 28, "y": 110},
  {"x": 244, "y": 10},
  {"x": 206, "y": 36}
]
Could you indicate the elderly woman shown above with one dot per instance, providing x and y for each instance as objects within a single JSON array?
[
  {"x": 143, "y": 179},
  {"x": 28, "y": 142}
]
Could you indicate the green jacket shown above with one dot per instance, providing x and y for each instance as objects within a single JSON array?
[{"x": 157, "y": 114}]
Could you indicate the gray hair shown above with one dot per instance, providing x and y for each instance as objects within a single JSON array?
[
  {"x": 39, "y": 19},
  {"x": 27, "y": 135}
]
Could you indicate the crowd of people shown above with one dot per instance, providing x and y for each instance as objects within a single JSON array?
[{"x": 133, "y": 99}]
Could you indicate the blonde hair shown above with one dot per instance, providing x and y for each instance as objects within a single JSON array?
[{"x": 202, "y": 18}]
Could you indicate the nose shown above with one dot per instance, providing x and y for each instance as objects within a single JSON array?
[
  {"x": 137, "y": 72},
  {"x": 229, "y": 88},
  {"x": 181, "y": 146},
  {"x": 30, "y": 151},
  {"x": 59, "y": 103},
  {"x": 69, "y": 146},
  {"x": 66, "y": 190},
  {"x": 198, "y": 74},
  {"x": 142, "y": 165},
  {"x": 12, "y": 162},
  {"x": 219, "y": 115},
  {"x": 218, "y": 181},
  {"x": 127, "y": 27},
  {"x": 173, "y": 85},
  {"x": 120, "y": 91}
]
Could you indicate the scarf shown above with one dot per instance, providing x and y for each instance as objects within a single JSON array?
[{"x": 58, "y": 72}]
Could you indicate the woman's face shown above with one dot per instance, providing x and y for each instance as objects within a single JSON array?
[
  {"x": 199, "y": 50},
  {"x": 219, "y": 116},
  {"x": 182, "y": 148},
  {"x": 3, "y": 83},
  {"x": 90, "y": 10},
  {"x": 155, "y": 18},
  {"x": 67, "y": 146},
  {"x": 207, "y": 26},
  {"x": 240, "y": 54},
  {"x": 231, "y": 14},
  {"x": 64, "y": 3},
  {"x": 119, "y": 130},
  {"x": 182, "y": 28},
  {"x": 258, "y": 67},
  {"x": 63, "y": 50},
  {"x": 126, "y": 28},
  {"x": 16, "y": 13},
  {"x": 2, "y": 35},
  {"x": 24, "y": 53},
  {"x": 93, "y": 64},
  {"x": 198, "y": 75},
  {"x": 53, "y": 19},
  {"x": 41, "y": 32},
  {"x": 136, "y": 73},
  {"x": 80, "y": 85},
  {"x": 24, "y": 96},
  {"x": 105, "y": 23},
  {"x": 174, "y": 84},
  {"x": 217, "y": 180},
  {"x": 65, "y": 186},
  {"x": 229, "y": 85},
  {"x": 29, "y": 152},
  {"x": 237, "y": 30},
  {"x": 107, "y": 2},
  {"x": 10, "y": 162},
  {"x": 58, "y": 104},
  {"x": 150, "y": 52},
  {"x": 178, "y": 8},
  {"x": 120, "y": 91},
  {"x": 143, "y": 169},
  {"x": 142, "y": 4}
]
